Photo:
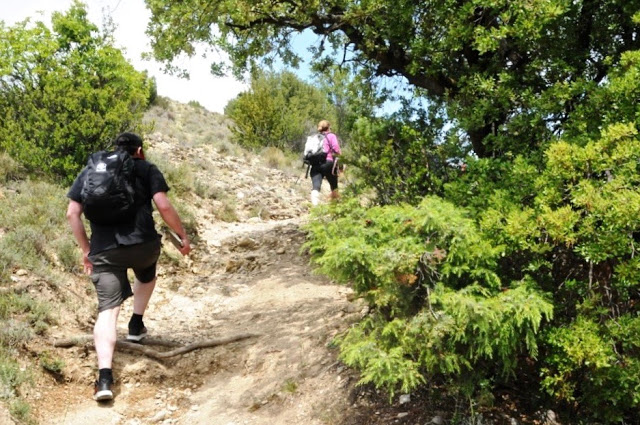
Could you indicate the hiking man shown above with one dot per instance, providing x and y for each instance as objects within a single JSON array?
[
  {"x": 326, "y": 169},
  {"x": 116, "y": 247}
]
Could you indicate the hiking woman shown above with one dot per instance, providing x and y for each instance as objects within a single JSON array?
[{"x": 327, "y": 169}]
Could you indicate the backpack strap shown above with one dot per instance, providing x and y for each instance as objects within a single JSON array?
[
  {"x": 331, "y": 150},
  {"x": 328, "y": 141}
]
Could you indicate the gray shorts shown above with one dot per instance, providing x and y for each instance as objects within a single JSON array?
[{"x": 110, "y": 271}]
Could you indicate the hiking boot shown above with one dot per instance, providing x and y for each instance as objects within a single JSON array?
[
  {"x": 102, "y": 390},
  {"x": 136, "y": 333}
]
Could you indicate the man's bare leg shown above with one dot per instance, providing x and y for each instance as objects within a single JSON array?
[
  {"x": 141, "y": 295},
  {"x": 104, "y": 336}
]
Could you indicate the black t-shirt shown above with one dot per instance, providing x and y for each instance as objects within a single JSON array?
[{"x": 149, "y": 181}]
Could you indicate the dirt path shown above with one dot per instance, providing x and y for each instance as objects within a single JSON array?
[
  {"x": 245, "y": 276},
  {"x": 251, "y": 278}
]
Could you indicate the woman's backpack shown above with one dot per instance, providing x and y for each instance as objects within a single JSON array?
[{"x": 314, "y": 153}]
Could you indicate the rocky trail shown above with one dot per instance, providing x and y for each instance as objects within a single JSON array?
[
  {"x": 245, "y": 276},
  {"x": 285, "y": 375}
]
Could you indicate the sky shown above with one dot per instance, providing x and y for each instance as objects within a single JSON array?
[{"x": 131, "y": 17}]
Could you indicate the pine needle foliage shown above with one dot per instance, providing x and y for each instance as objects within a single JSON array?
[{"x": 439, "y": 307}]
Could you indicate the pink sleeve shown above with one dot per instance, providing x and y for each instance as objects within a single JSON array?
[{"x": 333, "y": 143}]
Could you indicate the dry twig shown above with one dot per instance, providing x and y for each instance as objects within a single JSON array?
[{"x": 143, "y": 348}]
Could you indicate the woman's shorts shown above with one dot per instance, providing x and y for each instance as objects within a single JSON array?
[
  {"x": 324, "y": 170},
  {"x": 110, "y": 271}
]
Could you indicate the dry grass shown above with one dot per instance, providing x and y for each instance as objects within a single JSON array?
[
  {"x": 274, "y": 158},
  {"x": 9, "y": 169},
  {"x": 191, "y": 124},
  {"x": 34, "y": 237}
]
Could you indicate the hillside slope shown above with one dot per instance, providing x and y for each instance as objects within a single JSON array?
[{"x": 247, "y": 274}]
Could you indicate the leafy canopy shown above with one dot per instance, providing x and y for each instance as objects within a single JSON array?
[
  {"x": 64, "y": 92},
  {"x": 508, "y": 72},
  {"x": 278, "y": 110}
]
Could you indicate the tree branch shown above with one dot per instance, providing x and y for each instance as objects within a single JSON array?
[
  {"x": 149, "y": 352},
  {"x": 392, "y": 58}
]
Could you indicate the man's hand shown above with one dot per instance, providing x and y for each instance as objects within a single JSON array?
[
  {"x": 186, "y": 246},
  {"x": 87, "y": 265},
  {"x": 181, "y": 243}
]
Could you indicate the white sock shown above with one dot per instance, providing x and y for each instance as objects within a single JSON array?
[{"x": 315, "y": 197}]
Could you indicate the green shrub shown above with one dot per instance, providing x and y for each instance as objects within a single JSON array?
[
  {"x": 66, "y": 92},
  {"x": 290, "y": 386},
  {"x": 226, "y": 211},
  {"x": 162, "y": 102},
  {"x": 439, "y": 307},
  {"x": 540, "y": 265},
  {"x": 9, "y": 168},
  {"x": 203, "y": 189},
  {"x": 51, "y": 363},
  {"x": 180, "y": 178},
  {"x": 11, "y": 377},
  {"x": 229, "y": 149},
  {"x": 37, "y": 234},
  {"x": 30, "y": 249},
  {"x": 21, "y": 410},
  {"x": 274, "y": 157},
  {"x": 403, "y": 160},
  {"x": 195, "y": 104},
  {"x": 37, "y": 313},
  {"x": 68, "y": 254},
  {"x": 279, "y": 110},
  {"x": 152, "y": 85},
  {"x": 588, "y": 202},
  {"x": 260, "y": 212},
  {"x": 15, "y": 332}
]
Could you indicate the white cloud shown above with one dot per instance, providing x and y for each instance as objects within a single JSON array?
[{"x": 131, "y": 17}]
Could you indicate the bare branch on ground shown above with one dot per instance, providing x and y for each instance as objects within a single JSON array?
[{"x": 143, "y": 346}]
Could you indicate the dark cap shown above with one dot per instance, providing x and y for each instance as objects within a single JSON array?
[{"x": 128, "y": 139}]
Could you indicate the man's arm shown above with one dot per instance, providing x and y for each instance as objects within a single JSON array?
[
  {"x": 171, "y": 217},
  {"x": 74, "y": 217}
]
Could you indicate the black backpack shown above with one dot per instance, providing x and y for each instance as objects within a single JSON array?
[{"x": 108, "y": 192}]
